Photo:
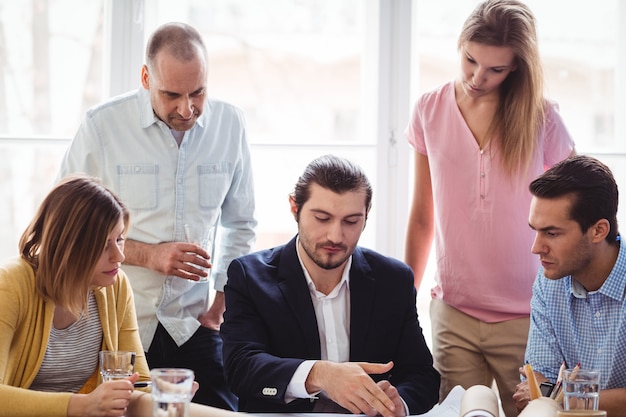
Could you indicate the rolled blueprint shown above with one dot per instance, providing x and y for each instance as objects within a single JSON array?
[{"x": 479, "y": 401}]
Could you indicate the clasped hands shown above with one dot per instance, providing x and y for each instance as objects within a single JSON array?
[{"x": 349, "y": 385}]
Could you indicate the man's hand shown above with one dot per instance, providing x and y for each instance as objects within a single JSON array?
[
  {"x": 349, "y": 385},
  {"x": 178, "y": 259},
  {"x": 394, "y": 396},
  {"x": 521, "y": 397},
  {"x": 214, "y": 317}
]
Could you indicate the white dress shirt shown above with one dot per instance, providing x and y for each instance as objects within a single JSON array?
[{"x": 332, "y": 312}]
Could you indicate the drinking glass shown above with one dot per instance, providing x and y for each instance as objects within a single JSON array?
[
  {"x": 116, "y": 364},
  {"x": 172, "y": 390},
  {"x": 581, "y": 389},
  {"x": 202, "y": 235}
]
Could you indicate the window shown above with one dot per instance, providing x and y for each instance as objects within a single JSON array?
[
  {"x": 50, "y": 73},
  {"x": 313, "y": 77},
  {"x": 51, "y": 57}
]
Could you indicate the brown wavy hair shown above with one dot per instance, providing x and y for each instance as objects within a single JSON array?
[{"x": 67, "y": 236}]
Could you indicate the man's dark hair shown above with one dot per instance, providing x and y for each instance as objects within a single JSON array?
[
  {"x": 335, "y": 174},
  {"x": 591, "y": 185}
]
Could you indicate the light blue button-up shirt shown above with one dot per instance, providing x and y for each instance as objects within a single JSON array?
[
  {"x": 573, "y": 325},
  {"x": 208, "y": 178}
]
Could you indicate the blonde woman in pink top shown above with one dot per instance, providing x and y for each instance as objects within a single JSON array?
[{"x": 479, "y": 141}]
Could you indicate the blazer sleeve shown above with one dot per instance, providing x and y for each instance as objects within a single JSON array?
[
  {"x": 385, "y": 327},
  {"x": 253, "y": 373},
  {"x": 413, "y": 375}
]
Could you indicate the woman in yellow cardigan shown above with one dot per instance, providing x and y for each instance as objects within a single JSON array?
[{"x": 65, "y": 299}]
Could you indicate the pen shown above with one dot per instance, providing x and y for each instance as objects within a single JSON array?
[
  {"x": 559, "y": 379},
  {"x": 142, "y": 384},
  {"x": 559, "y": 397}
]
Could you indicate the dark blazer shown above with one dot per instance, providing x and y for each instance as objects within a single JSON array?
[{"x": 270, "y": 328}]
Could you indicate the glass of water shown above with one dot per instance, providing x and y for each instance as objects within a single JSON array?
[
  {"x": 172, "y": 390},
  {"x": 116, "y": 364},
  {"x": 581, "y": 389},
  {"x": 202, "y": 235}
]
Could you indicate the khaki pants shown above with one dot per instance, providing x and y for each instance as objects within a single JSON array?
[{"x": 470, "y": 352}]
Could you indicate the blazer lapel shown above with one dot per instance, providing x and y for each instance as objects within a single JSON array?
[
  {"x": 293, "y": 285},
  {"x": 362, "y": 293}
]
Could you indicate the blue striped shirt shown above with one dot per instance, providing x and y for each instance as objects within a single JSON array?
[{"x": 572, "y": 325}]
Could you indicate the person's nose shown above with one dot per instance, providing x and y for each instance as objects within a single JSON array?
[
  {"x": 537, "y": 247},
  {"x": 478, "y": 77},
  {"x": 335, "y": 232},
  {"x": 117, "y": 254},
  {"x": 185, "y": 107}
]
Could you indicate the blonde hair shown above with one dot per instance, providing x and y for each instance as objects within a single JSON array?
[
  {"x": 521, "y": 113},
  {"x": 66, "y": 238}
]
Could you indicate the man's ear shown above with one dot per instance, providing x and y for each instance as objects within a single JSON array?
[
  {"x": 600, "y": 230},
  {"x": 145, "y": 77},
  {"x": 294, "y": 207}
]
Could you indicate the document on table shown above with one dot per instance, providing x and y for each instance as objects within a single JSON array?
[{"x": 450, "y": 407}]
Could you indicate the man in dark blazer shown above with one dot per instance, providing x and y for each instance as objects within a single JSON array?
[{"x": 320, "y": 324}]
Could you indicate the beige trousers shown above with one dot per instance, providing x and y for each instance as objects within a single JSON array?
[{"x": 469, "y": 352}]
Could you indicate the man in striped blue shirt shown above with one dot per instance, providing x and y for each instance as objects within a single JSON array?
[{"x": 578, "y": 308}]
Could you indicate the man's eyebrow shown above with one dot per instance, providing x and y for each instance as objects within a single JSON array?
[
  {"x": 320, "y": 211},
  {"x": 169, "y": 93},
  {"x": 174, "y": 93},
  {"x": 544, "y": 229}
]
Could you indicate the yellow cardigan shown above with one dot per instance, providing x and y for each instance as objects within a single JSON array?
[{"x": 25, "y": 322}]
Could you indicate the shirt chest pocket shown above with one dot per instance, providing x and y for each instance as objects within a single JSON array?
[
  {"x": 214, "y": 180},
  {"x": 138, "y": 185}
]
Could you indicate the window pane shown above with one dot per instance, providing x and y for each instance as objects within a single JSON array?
[
  {"x": 50, "y": 73},
  {"x": 51, "y": 61},
  {"x": 27, "y": 173}
]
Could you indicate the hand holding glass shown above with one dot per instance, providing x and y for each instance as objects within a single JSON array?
[
  {"x": 172, "y": 390},
  {"x": 201, "y": 235}
]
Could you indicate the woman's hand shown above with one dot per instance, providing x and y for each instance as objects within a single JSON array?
[{"x": 109, "y": 399}]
